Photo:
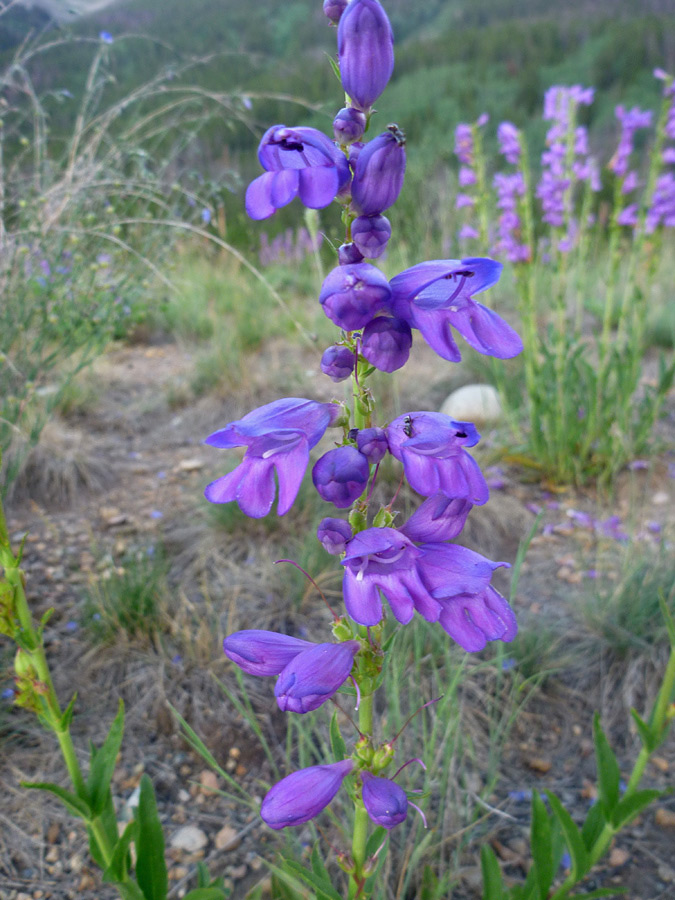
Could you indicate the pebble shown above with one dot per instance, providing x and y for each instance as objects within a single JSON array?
[
  {"x": 191, "y": 465},
  {"x": 208, "y": 780},
  {"x": 665, "y": 818},
  {"x": 477, "y": 403},
  {"x": 618, "y": 857},
  {"x": 189, "y": 838},
  {"x": 227, "y": 838}
]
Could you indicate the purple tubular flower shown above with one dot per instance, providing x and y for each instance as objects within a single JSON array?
[
  {"x": 338, "y": 362},
  {"x": 509, "y": 142},
  {"x": 472, "y": 621},
  {"x": 351, "y": 295},
  {"x": 431, "y": 447},
  {"x": 386, "y": 343},
  {"x": 349, "y": 125},
  {"x": 385, "y": 801},
  {"x": 278, "y": 436},
  {"x": 314, "y": 675},
  {"x": 349, "y": 254},
  {"x": 263, "y": 652},
  {"x": 379, "y": 172},
  {"x": 372, "y": 442},
  {"x": 365, "y": 45},
  {"x": 301, "y": 796},
  {"x": 371, "y": 235},
  {"x": 434, "y": 295},
  {"x": 341, "y": 475},
  {"x": 333, "y": 9},
  {"x": 439, "y": 518},
  {"x": 333, "y": 535},
  {"x": 299, "y": 162}
]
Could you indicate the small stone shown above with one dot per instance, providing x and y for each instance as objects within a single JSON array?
[
  {"x": 235, "y": 752},
  {"x": 208, "y": 780},
  {"x": 539, "y": 764},
  {"x": 665, "y": 817},
  {"x": 660, "y": 498},
  {"x": 227, "y": 838},
  {"x": 189, "y": 838},
  {"x": 191, "y": 465},
  {"x": 183, "y": 796},
  {"x": 52, "y": 855},
  {"x": 38, "y": 895},
  {"x": 661, "y": 764},
  {"x": 75, "y": 864},
  {"x": 86, "y": 882},
  {"x": 178, "y": 872},
  {"x": 478, "y": 403},
  {"x": 53, "y": 833},
  {"x": 589, "y": 790},
  {"x": 618, "y": 857},
  {"x": 240, "y": 770},
  {"x": 238, "y": 872},
  {"x": 666, "y": 873}
]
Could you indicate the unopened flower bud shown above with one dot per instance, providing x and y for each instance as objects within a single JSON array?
[
  {"x": 338, "y": 362},
  {"x": 365, "y": 51},
  {"x": 379, "y": 172},
  {"x": 386, "y": 343},
  {"x": 349, "y": 125},
  {"x": 351, "y": 295},
  {"x": 349, "y": 254},
  {"x": 386, "y": 803},
  {"x": 341, "y": 475},
  {"x": 333, "y": 9},
  {"x": 372, "y": 442},
  {"x": 333, "y": 535},
  {"x": 342, "y": 630},
  {"x": 371, "y": 235},
  {"x": 383, "y": 756},
  {"x": 301, "y": 796}
]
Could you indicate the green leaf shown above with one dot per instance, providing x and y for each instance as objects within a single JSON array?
[
  {"x": 335, "y": 67},
  {"x": 337, "y": 743},
  {"x": 668, "y": 618},
  {"x": 318, "y": 866},
  {"x": 492, "y": 876},
  {"x": 130, "y": 891},
  {"x": 575, "y": 844},
  {"x": 119, "y": 864},
  {"x": 150, "y": 865},
  {"x": 67, "y": 716},
  {"x": 601, "y": 892},
  {"x": 376, "y": 840},
  {"x": 542, "y": 846},
  {"x": 647, "y": 736},
  {"x": 103, "y": 763},
  {"x": 108, "y": 821},
  {"x": 72, "y": 802},
  {"x": 632, "y": 806},
  {"x": 609, "y": 775},
  {"x": 324, "y": 887},
  {"x": 206, "y": 893},
  {"x": 592, "y": 827}
]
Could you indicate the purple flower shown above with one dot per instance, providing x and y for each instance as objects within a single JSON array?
[
  {"x": 278, "y": 436},
  {"x": 365, "y": 45},
  {"x": 472, "y": 620},
  {"x": 106, "y": 37},
  {"x": 464, "y": 143},
  {"x": 384, "y": 559},
  {"x": 349, "y": 125},
  {"x": 379, "y": 172},
  {"x": 371, "y": 235},
  {"x": 341, "y": 475},
  {"x": 386, "y": 803},
  {"x": 435, "y": 295},
  {"x": 299, "y": 161},
  {"x": 439, "y": 518},
  {"x": 372, "y": 442},
  {"x": 314, "y": 675},
  {"x": 631, "y": 120},
  {"x": 431, "y": 447},
  {"x": 386, "y": 343},
  {"x": 349, "y": 254},
  {"x": 352, "y": 294},
  {"x": 333, "y": 535},
  {"x": 333, "y": 9},
  {"x": 263, "y": 652},
  {"x": 509, "y": 142},
  {"x": 338, "y": 362},
  {"x": 301, "y": 796}
]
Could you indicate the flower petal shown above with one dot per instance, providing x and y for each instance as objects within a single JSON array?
[
  {"x": 485, "y": 331},
  {"x": 318, "y": 186},
  {"x": 291, "y": 467},
  {"x": 259, "y": 197}
]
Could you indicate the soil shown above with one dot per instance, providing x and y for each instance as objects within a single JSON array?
[{"x": 124, "y": 475}]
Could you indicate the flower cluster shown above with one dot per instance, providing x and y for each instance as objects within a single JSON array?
[
  {"x": 466, "y": 138},
  {"x": 412, "y": 565},
  {"x": 662, "y": 202}
]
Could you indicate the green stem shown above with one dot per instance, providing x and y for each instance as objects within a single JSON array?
[{"x": 361, "y": 820}]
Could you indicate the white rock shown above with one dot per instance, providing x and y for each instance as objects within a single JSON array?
[
  {"x": 189, "y": 838},
  {"x": 478, "y": 403}
]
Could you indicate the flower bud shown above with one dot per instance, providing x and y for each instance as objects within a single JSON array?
[
  {"x": 263, "y": 652},
  {"x": 333, "y": 9},
  {"x": 333, "y": 535},
  {"x": 352, "y": 294},
  {"x": 379, "y": 172},
  {"x": 348, "y": 254},
  {"x": 371, "y": 235},
  {"x": 386, "y": 343},
  {"x": 365, "y": 51},
  {"x": 338, "y": 362},
  {"x": 341, "y": 475},
  {"x": 314, "y": 676},
  {"x": 349, "y": 125},
  {"x": 386, "y": 803},
  {"x": 372, "y": 443},
  {"x": 301, "y": 796}
]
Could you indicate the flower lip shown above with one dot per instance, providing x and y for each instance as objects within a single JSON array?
[{"x": 314, "y": 675}]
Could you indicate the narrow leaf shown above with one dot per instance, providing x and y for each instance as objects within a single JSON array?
[
  {"x": 648, "y": 738},
  {"x": 71, "y": 801},
  {"x": 150, "y": 865},
  {"x": 67, "y": 716},
  {"x": 206, "y": 893},
  {"x": 668, "y": 618},
  {"x": 376, "y": 840},
  {"x": 631, "y": 806},
  {"x": 575, "y": 845},
  {"x": 592, "y": 827},
  {"x": 492, "y": 876},
  {"x": 324, "y": 886},
  {"x": 103, "y": 763},
  {"x": 130, "y": 891},
  {"x": 542, "y": 846},
  {"x": 337, "y": 743},
  {"x": 318, "y": 866},
  {"x": 119, "y": 864},
  {"x": 608, "y": 768}
]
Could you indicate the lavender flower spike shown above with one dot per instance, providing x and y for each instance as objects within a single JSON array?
[
  {"x": 278, "y": 437},
  {"x": 431, "y": 447},
  {"x": 313, "y": 676},
  {"x": 263, "y": 652},
  {"x": 379, "y": 172},
  {"x": 301, "y": 796},
  {"x": 434, "y": 295},
  {"x": 385, "y": 801},
  {"x": 299, "y": 161},
  {"x": 365, "y": 45}
]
